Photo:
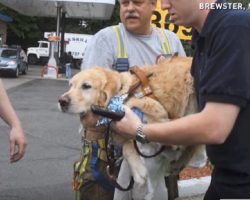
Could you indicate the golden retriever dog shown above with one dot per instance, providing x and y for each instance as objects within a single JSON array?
[{"x": 173, "y": 97}]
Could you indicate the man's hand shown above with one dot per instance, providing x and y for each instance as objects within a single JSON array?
[
  {"x": 18, "y": 144},
  {"x": 127, "y": 125}
]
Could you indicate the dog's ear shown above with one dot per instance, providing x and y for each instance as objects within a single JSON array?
[
  {"x": 159, "y": 59},
  {"x": 102, "y": 100},
  {"x": 111, "y": 87},
  {"x": 175, "y": 54}
]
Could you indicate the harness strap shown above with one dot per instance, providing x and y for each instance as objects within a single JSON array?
[
  {"x": 100, "y": 179},
  {"x": 143, "y": 80},
  {"x": 93, "y": 134},
  {"x": 111, "y": 165},
  {"x": 81, "y": 165},
  {"x": 79, "y": 168}
]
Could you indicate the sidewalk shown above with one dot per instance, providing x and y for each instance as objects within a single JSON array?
[
  {"x": 193, "y": 189},
  {"x": 196, "y": 197}
]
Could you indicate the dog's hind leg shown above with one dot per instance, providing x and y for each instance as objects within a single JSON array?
[
  {"x": 136, "y": 164},
  {"x": 138, "y": 170}
]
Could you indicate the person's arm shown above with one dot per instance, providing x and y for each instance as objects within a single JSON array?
[
  {"x": 211, "y": 126},
  {"x": 17, "y": 139}
]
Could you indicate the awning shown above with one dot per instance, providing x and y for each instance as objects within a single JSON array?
[
  {"x": 5, "y": 18},
  {"x": 86, "y": 9}
]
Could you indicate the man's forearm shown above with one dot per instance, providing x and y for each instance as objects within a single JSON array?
[
  {"x": 184, "y": 131},
  {"x": 211, "y": 126}
]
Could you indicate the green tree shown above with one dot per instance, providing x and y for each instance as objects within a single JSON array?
[{"x": 25, "y": 30}]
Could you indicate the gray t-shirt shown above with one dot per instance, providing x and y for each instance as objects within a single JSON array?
[{"x": 141, "y": 49}]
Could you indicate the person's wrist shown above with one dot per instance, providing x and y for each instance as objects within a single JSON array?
[
  {"x": 16, "y": 126},
  {"x": 140, "y": 135}
]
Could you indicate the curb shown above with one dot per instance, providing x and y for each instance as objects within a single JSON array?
[{"x": 193, "y": 187}]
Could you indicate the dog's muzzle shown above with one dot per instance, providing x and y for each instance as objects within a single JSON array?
[{"x": 64, "y": 102}]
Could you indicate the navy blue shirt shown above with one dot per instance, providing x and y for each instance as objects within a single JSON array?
[{"x": 221, "y": 71}]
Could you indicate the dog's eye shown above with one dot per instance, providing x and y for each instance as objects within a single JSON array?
[{"x": 86, "y": 86}]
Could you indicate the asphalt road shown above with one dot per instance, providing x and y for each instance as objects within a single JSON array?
[{"x": 53, "y": 141}]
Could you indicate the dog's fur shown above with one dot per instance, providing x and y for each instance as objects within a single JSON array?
[{"x": 172, "y": 85}]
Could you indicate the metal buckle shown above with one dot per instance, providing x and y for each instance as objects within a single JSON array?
[
  {"x": 139, "y": 95},
  {"x": 111, "y": 176},
  {"x": 124, "y": 96},
  {"x": 85, "y": 141}
]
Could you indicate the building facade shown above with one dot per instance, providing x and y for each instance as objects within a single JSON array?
[{"x": 4, "y": 19}]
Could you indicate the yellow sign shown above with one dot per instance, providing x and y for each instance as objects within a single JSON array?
[{"x": 160, "y": 18}]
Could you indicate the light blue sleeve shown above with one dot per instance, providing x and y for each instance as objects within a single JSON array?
[
  {"x": 100, "y": 50},
  {"x": 176, "y": 45},
  {"x": 179, "y": 48}
]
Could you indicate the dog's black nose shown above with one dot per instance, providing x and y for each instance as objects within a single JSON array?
[{"x": 64, "y": 102}]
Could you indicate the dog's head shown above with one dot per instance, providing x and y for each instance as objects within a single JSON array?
[{"x": 92, "y": 86}]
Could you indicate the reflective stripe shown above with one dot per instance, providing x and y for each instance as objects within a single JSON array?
[
  {"x": 85, "y": 160},
  {"x": 80, "y": 168},
  {"x": 165, "y": 45},
  {"x": 78, "y": 195},
  {"x": 101, "y": 143},
  {"x": 101, "y": 150},
  {"x": 121, "y": 51}
]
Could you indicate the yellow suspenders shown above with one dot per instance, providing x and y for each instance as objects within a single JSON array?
[
  {"x": 165, "y": 45},
  {"x": 121, "y": 51}
]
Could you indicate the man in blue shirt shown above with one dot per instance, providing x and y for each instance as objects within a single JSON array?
[{"x": 221, "y": 71}]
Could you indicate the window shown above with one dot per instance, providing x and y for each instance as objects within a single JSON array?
[
  {"x": 8, "y": 53},
  {"x": 44, "y": 45}
]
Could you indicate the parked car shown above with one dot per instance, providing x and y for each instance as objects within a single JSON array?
[{"x": 13, "y": 61}]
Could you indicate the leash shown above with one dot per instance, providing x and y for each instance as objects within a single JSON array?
[
  {"x": 149, "y": 156},
  {"x": 111, "y": 163},
  {"x": 140, "y": 115}
]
